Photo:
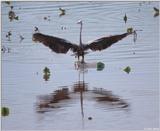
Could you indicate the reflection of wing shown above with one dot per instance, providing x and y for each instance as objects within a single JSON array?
[
  {"x": 105, "y": 42},
  {"x": 56, "y": 44}
]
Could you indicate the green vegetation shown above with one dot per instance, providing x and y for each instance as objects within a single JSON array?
[
  {"x": 47, "y": 74},
  {"x": 4, "y": 111},
  {"x": 100, "y": 66},
  {"x": 127, "y": 69}
]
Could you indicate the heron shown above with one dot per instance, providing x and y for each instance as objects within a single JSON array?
[{"x": 60, "y": 45}]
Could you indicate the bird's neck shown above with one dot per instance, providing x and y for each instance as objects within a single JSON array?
[{"x": 80, "y": 40}]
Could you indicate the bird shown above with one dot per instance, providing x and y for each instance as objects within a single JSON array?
[{"x": 60, "y": 45}]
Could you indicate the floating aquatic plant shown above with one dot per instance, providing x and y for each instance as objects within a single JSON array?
[
  {"x": 16, "y": 18},
  {"x": 125, "y": 18},
  {"x": 12, "y": 15},
  {"x": 46, "y": 77},
  {"x": 129, "y": 30},
  {"x": 47, "y": 74},
  {"x": 100, "y": 66},
  {"x": 46, "y": 70},
  {"x": 21, "y": 38},
  {"x": 89, "y": 118},
  {"x": 4, "y": 111},
  {"x": 8, "y": 35},
  {"x": 156, "y": 12},
  {"x": 36, "y": 29},
  {"x": 5, "y": 49},
  {"x": 47, "y": 18},
  {"x": 127, "y": 69},
  {"x": 63, "y": 12}
]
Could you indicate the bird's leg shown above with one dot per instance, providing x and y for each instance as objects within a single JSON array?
[{"x": 82, "y": 59}]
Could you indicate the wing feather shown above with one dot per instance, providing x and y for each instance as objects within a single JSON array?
[
  {"x": 105, "y": 42},
  {"x": 56, "y": 44},
  {"x": 157, "y": 10}
]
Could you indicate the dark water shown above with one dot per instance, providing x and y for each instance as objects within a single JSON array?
[{"x": 66, "y": 98}]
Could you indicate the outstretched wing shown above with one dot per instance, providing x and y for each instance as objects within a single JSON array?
[
  {"x": 157, "y": 10},
  {"x": 105, "y": 42},
  {"x": 56, "y": 44}
]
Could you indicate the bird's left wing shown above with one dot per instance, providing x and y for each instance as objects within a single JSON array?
[
  {"x": 56, "y": 44},
  {"x": 105, "y": 42}
]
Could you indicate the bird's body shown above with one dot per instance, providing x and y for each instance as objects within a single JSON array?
[{"x": 60, "y": 45}]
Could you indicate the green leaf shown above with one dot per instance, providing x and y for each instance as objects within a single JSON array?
[
  {"x": 127, "y": 69},
  {"x": 100, "y": 66},
  {"x": 4, "y": 111},
  {"x": 16, "y": 18},
  {"x": 129, "y": 30},
  {"x": 46, "y": 70}
]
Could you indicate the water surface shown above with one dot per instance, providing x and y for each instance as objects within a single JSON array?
[{"x": 67, "y": 98}]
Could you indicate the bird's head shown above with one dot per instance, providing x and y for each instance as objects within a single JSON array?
[{"x": 79, "y": 22}]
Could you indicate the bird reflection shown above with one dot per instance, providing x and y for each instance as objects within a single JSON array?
[
  {"x": 80, "y": 87},
  {"x": 56, "y": 99}
]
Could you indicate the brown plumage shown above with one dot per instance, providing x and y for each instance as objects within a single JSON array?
[
  {"x": 60, "y": 45},
  {"x": 105, "y": 42},
  {"x": 56, "y": 44}
]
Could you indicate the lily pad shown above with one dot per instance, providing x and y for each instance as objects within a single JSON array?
[
  {"x": 4, "y": 111},
  {"x": 127, "y": 69},
  {"x": 130, "y": 30},
  {"x": 100, "y": 66}
]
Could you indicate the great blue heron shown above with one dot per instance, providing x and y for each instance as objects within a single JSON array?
[{"x": 60, "y": 45}]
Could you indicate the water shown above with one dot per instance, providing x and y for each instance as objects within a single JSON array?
[{"x": 131, "y": 100}]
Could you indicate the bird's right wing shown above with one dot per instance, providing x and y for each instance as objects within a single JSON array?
[
  {"x": 157, "y": 10},
  {"x": 56, "y": 44}
]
